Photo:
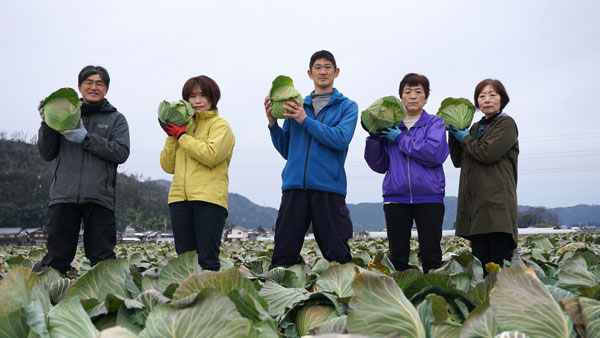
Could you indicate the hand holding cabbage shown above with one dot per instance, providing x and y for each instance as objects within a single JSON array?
[
  {"x": 283, "y": 90},
  {"x": 178, "y": 113},
  {"x": 384, "y": 113},
  {"x": 61, "y": 110}
]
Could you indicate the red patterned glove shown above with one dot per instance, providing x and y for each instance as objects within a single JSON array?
[{"x": 172, "y": 129}]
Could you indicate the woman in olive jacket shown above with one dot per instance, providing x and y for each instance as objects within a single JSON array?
[{"x": 487, "y": 194}]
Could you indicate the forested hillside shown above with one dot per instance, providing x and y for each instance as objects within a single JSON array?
[{"x": 25, "y": 179}]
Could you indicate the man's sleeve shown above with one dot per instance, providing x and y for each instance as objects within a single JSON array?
[
  {"x": 281, "y": 138},
  {"x": 48, "y": 142},
  {"x": 114, "y": 149}
]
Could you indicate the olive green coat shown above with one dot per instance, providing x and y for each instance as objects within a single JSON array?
[{"x": 487, "y": 192}]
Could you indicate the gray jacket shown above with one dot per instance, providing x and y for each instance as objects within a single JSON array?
[{"x": 87, "y": 172}]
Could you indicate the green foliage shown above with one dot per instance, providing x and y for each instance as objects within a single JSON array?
[
  {"x": 25, "y": 183},
  {"x": 551, "y": 290},
  {"x": 283, "y": 90}
]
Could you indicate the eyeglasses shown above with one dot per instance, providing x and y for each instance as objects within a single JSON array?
[{"x": 326, "y": 68}]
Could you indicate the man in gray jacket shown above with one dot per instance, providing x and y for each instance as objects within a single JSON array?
[{"x": 84, "y": 183}]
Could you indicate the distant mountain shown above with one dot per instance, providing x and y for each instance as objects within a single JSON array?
[
  {"x": 25, "y": 179},
  {"x": 369, "y": 216}
]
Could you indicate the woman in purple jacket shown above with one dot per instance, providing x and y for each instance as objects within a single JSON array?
[{"x": 411, "y": 155}]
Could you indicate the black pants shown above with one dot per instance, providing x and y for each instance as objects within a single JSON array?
[
  {"x": 64, "y": 223},
  {"x": 492, "y": 247},
  {"x": 399, "y": 221},
  {"x": 331, "y": 225},
  {"x": 198, "y": 226}
]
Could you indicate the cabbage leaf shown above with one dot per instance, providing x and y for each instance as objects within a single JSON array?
[
  {"x": 282, "y": 90},
  {"x": 62, "y": 109},
  {"x": 457, "y": 112},
  {"x": 178, "y": 113},
  {"x": 384, "y": 113}
]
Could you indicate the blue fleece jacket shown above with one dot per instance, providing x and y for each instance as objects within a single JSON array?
[{"x": 316, "y": 149}]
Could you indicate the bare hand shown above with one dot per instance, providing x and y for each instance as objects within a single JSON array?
[
  {"x": 268, "y": 109},
  {"x": 296, "y": 110}
]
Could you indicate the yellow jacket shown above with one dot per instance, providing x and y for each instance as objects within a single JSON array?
[{"x": 200, "y": 160}]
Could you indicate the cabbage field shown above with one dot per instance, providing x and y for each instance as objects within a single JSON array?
[{"x": 550, "y": 290}]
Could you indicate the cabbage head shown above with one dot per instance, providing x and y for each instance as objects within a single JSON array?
[
  {"x": 62, "y": 109},
  {"x": 178, "y": 113},
  {"x": 457, "y": 112},
  {"x": 310, "y": 315},
  {"x": 282, "y": 90},
  {"x": 384, "y": 113}
]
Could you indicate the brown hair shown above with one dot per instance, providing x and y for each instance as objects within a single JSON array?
[
  {"x": 498, "y": 88},
  {"x": 208, "y": 87},
  {"x": 412, "y": 80}
]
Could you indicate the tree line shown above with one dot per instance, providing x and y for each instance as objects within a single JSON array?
[{"x": 25, "y": 182}]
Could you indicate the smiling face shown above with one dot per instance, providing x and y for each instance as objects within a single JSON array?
[
  {"x": 93, "y": 89},
  {"x": 198, "y": 100},
  {"x": 489, "y": 101},
  {"x": 414, "y": 99},
  {"x": 323, "y": 72}
]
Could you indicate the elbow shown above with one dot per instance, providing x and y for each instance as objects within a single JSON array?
[{"x": 123, "y": 157}]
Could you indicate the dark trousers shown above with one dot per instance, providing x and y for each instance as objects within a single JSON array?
[
  {"x": 64, "y": 223},
  {"x": 399, "y": 221},
  {"x": 198, "y": 226},
  {"x": 331, "y": 225},
  {"x": 492, "y": 247}
]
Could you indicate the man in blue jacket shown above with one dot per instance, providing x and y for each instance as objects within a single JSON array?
[{"x": 314, "y": 140}]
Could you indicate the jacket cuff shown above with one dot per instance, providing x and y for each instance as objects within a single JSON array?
[{"x": 398, "y": 138}]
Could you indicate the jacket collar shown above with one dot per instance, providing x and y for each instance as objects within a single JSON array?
[
  {"x": 207, "y": 114},
  {"x": 336, "y": 97},
  {"x": 100, "y": 107},
  {"x": 420, "y": 122}
]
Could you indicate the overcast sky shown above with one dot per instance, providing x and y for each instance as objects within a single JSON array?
[{"x": 546, "y": 54}]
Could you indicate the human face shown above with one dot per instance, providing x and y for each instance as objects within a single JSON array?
[
  {"x": 323, "y": 73},
  {"x": 93, "y": 89},
  {"x": 199, "y": 101},
  {"x": 489, "y": 101},
  {"x": 414, "y": 99}
]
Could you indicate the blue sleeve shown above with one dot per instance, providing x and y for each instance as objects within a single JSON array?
[
  {"x": 281, "y": 138},
  {"x": 337, "y": 136},
  {"x": 432, "y": 150}
]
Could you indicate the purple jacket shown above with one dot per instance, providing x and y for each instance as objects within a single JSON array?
[{"x": 412, "y": 163}]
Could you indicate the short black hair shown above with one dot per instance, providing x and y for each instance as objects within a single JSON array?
[
  {"x": 413, "y": 80},
  {"x": 322, "y": 54},
  {"x": 88, "y": 71},
  {"x": 498, "y": 88}
]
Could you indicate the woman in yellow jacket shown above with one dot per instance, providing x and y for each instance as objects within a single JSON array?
[{"x": 198, "y": 154}]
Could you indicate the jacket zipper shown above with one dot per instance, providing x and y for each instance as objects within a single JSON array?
[
  {"x": 408, "y": 171},
  {"x": 185, "y": 167},
  {"x": 80, "y": 170},
  {"x": 308, "y": 147},
  {"x": 184, "y": 177}
]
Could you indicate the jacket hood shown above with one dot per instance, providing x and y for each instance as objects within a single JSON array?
[{"x": 336, "y": 97}]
